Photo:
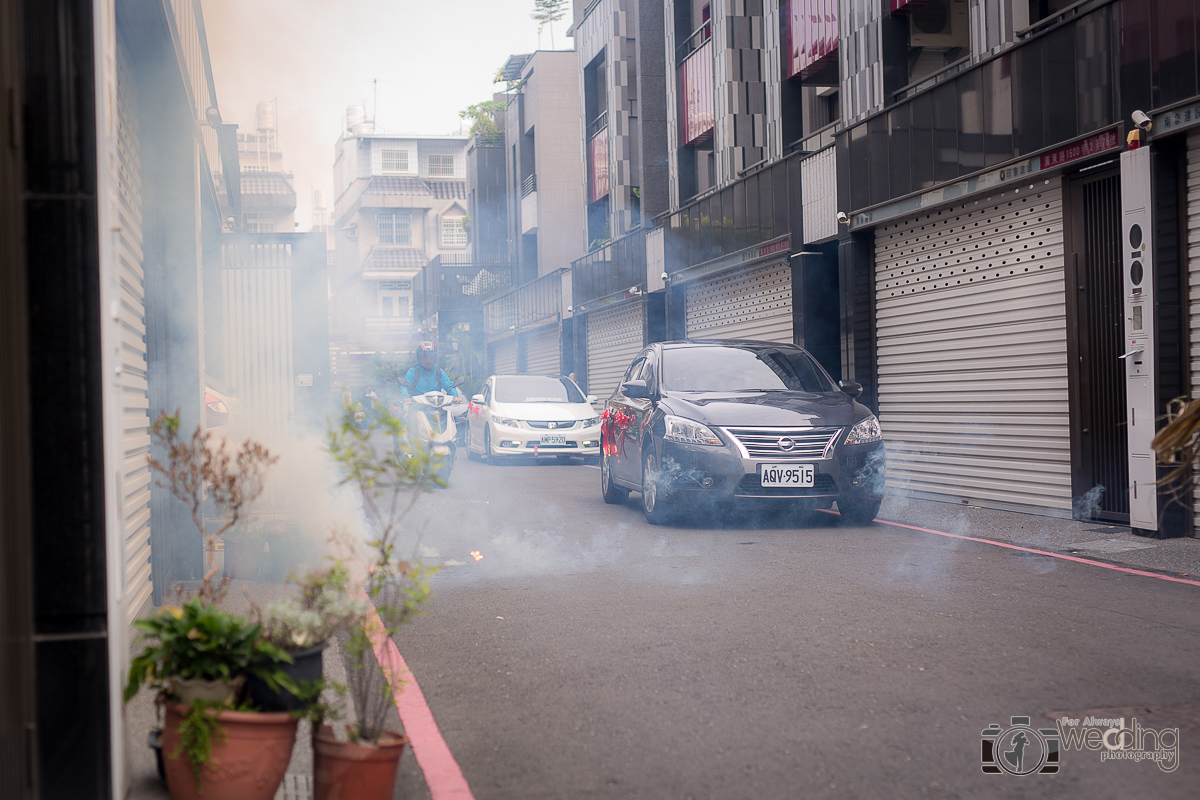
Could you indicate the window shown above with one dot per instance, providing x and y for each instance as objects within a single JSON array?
[
  {"x": 258, "y": 222},
  {"x": 394, "y": 286},
  {"x": 394, "y": 227},
  {"x": 441, "y": 166},
  {"x": 395, "y": 161},
  {"x": 454, "y": 232}
]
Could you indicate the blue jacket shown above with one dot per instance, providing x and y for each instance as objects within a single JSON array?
[{"x": 423, "y": 381}]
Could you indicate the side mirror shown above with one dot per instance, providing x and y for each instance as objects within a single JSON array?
[
  {"x": 635, "y": 390},
  {"x": 592, "y": 399},
  {"x": 478, "y": 398},
  {"x": 852, "y": 388},
  {"x": 461, "y": 381}
]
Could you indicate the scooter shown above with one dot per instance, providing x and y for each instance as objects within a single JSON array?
[{"x": 430, "y": 427}]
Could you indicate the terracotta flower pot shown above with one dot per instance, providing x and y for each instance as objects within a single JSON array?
[
  {"x": 352, "y": 771},
  {"x": 249, "y": 764}
]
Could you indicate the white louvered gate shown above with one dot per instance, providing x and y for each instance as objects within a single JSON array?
[
  {"x": 744, "y": 303},
  {"x": 972, "y": 350},
  {"x": 614, "y": 336},
  {"x": 504, "y": 356},
  {"x": 543, "y": 352},
  {"x": 134, "y": 386},
  {"x": 1193, "y": 269}
]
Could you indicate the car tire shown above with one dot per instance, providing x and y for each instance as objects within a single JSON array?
[
  {"x": 613, "y": 495},
  {"x": 657, "y": 508},
  {"x": 858, "y": 510},
  {"x": 486, "y": 456}
]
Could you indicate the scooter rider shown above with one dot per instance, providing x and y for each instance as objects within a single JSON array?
[{"x": 427, "y": 376}]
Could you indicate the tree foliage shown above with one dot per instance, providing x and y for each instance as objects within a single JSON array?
[{"x": 483, "y": 117}]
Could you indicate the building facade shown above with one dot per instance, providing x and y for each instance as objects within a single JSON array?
[
  {"x": 528, "y": 327},
  {"x": 400, "y": 202}
]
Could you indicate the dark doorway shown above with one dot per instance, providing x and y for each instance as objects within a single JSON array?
[{"x": 1095, "y": 334}]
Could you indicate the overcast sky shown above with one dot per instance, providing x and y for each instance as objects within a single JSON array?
[{"x": 432, "y": 58}]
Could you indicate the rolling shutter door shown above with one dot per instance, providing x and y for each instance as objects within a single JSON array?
[
  {"x": 614, "y": 337},
  {"x": 972, "y": 351},
  {"x": 543, "y": 352},
  {"x": 1193, "y": 267},
  {"x": 504, "y": 356},
  {"x": 132, "y": 382},
  {"x": 745, "y": 303}
]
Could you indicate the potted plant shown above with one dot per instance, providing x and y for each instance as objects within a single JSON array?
[
  {"x": 363, "y": 764},
  {"x": 197, "y": 654},
  {"x": 302, "y": 626}
]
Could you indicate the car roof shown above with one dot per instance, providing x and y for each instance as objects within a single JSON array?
[{"x": 742, "y": 343}]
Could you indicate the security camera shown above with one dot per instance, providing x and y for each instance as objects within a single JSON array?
[
  {"x": 570, "y": 309},
  {"x": 666, "y": 277},
  {"x": 1142, "y": 120},
  {"x": 842, "y": 218}
]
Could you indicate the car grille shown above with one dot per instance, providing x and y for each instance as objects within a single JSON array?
[
  {"x": 809, "y": 443},
  {"x": 749, "y": 486},
  {"x": 561, "y": 425},
  {"x": 540, "y": 446}
]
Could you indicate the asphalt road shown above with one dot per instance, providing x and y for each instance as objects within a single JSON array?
[{"x": 588, "y": 654}]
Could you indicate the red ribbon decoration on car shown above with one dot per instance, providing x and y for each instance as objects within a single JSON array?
[
  {"x": 614, "y": 426},
  {"x": 473, "y": 409}
]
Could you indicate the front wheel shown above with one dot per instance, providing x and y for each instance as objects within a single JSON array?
[
  {"x": 486, "y": 455},
  {"x": 655, "y": 505},
  {"x": 858, "y": 510},
  {"x": 613, "y": 494}
]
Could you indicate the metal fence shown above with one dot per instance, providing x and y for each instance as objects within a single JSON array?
[
  {"x": 613, "y": 268},
  {"x": 460, "y": 283},
  {"x": 538, "y": 301}
]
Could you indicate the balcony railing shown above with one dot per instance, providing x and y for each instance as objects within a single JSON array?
[
  {"x": 529, "y": 185},
  {"x": 488, "y": 139},
  {"x": 614, "y": 268},
  {"x": 697, "y": 95},
  {"x": 698, "y": 39},
  {"x": 387, "y": 327},
  {"x": 536, "y": 302},
  {"x": 449, "y": 283},
  {"x": 598, "y": 124}
]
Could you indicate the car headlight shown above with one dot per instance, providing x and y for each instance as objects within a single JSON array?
[
  {"x": 591, "y": 423},
  {"x": 866, "y": 431},
  {"x": 686, "y": 431},
  {"x": 506, "y": 422}
]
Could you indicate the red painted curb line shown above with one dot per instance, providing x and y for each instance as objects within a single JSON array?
[{"x": 442, "y": 774}]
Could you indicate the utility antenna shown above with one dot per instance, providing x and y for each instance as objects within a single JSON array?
[{"x": 375, "y": 103}]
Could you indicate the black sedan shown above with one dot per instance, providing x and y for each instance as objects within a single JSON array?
[{"x": 739, "y": 421}]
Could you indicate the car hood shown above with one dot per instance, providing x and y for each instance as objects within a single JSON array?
[
  {"x": 559, "y": 412},
  {"x": 767, "y": 408}
]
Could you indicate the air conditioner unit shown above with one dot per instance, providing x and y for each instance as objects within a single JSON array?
[{"x": 940, "y": 23}]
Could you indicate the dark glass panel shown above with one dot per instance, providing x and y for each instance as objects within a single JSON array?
[
  {"x": 1027, "y": 108},
  {"x": 921, "y": 109},
  {"x": 741, "y": 232},
  {"x": 766, "y": 204},
  {"x": 706, "y": 232},
  {"x": 779, "y": 211},
  {"x": 945, "y": 132},
  {"x": 877, "y": 135},
  {"x": 1093, "y": 72},
  {"x": 1058, "y": 85},
  {"x": 860, "y": 196},
  {"x": 970, "y": 122},
  {"x": 900, "y": 149},
  {"x": 1134, "y": 53},
  {"x": 1173, "y": 58},
  {"x": 753, "y": 214},
  {"x": 728, "y": 240},
  {"x": 997, "y": 111}
]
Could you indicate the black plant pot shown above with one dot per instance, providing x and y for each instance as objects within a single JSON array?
[{"x": 307, "y": 666}]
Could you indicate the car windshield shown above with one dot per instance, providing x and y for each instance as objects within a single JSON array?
[
  {"x": 733, "y": 369},
  {"x": 537, "y": 389}
]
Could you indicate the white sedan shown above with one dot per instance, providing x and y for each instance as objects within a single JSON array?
[{"x": 532, "y": 415}]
